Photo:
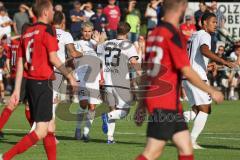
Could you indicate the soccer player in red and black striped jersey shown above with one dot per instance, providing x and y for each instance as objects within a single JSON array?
[
  {"x": 167, "y": 63},
  {"x": 12, "y": 57},
  {"x": 38, "y": 48},
  {"x": 11, "y": 67}
]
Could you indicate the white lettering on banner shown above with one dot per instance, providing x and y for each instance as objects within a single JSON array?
[{"x": 231, "y": 11}]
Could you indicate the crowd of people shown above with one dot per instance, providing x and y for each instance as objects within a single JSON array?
[{"x": 108, "y": 55}]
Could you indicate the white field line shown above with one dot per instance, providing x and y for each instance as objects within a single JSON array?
[
  {"x": 143, "y": 134},
  {"x": 223, "y": 138}
]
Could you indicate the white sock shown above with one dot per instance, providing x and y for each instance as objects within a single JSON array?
[
  {"x": 231, "y": 94},
  {"x": 111, "y": 129},
  {"x": 80, "y": 115},
  {"x": 189, "y": 115},
  {"x": 198, "y": 125},
  {"x": 89, "y": 121},
  {"x": 112, "y": 116},
  {"x": 117, "y": 114}
]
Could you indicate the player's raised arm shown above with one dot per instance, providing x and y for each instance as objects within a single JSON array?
[{"x": 194, "y": 78}]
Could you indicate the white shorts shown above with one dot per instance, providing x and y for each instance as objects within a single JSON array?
[
  {"x": 92, "y": 94},
  {"x": 88, "y": 91},
  {"x": 196, "y": 96},
  {"x": 118, "y": 97}
]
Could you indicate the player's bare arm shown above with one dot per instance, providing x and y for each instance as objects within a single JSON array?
[
  {"x": 209, "y": 54},
  {"x": 15, "y": 96},
  {"x": 73, "y": 52}
]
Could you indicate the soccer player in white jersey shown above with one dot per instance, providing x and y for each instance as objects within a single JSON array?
[
  {"x": 116, "y": 56},
  {"x": 65, "y": 44},
  {"x": 199, "y": 50},
  {"x": 87, "y": 72}
]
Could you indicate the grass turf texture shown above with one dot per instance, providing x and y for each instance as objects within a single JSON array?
[{"x": 221, "y": 137}]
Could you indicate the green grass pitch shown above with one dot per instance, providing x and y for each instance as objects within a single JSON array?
[{"x": 221, "y": 137}]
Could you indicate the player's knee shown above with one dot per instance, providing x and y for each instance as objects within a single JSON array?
[
  {"x": 41, "y": 133},
  {"x": 185, "y": 149},
  {"x": 51, "y": 127},
  {"x": 42, "y": 129}
]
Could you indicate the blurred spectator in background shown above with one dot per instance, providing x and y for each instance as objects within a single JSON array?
[
  {"x": 77, "y": 17},
  {"x": 221, "y": 52},
  {"x": 219, "y": 14},
  {"x": 59, "y": 8},
  {"x": 234, "y": 55},
  {"x": 1, "y": 4},
  {"x": 198, "y": 14},
  {"x": 2, "y": 70},
  {"x": 20, "y": 18},
  {"x": 113, "y": 15},
  {"x": 31, "y": 15},
  {"x": 4, "y": 43},
  {"x": 220, "y": 23},
  {"x": 188, "y": 28},
  {"x": 151, "y": 14},
  {"x": 88, "y": 12},
  {"x": 5, "y": 23},
  {"x": 133, "y": 18},
  {"x": 235, "y": 74},
  {"x": 213, "y": 68},
  {"x": 221, "y": 77},
  {"x": 160, "y": 12},
  {"x": 141, "y": 47},
  {"x": 99, "y": 19}
]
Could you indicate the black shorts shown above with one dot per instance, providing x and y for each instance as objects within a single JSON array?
[
  {"x": 163, "y": 124},
  {"x": 40, "y": 97},
  {"x": 23, "y": 94}
]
